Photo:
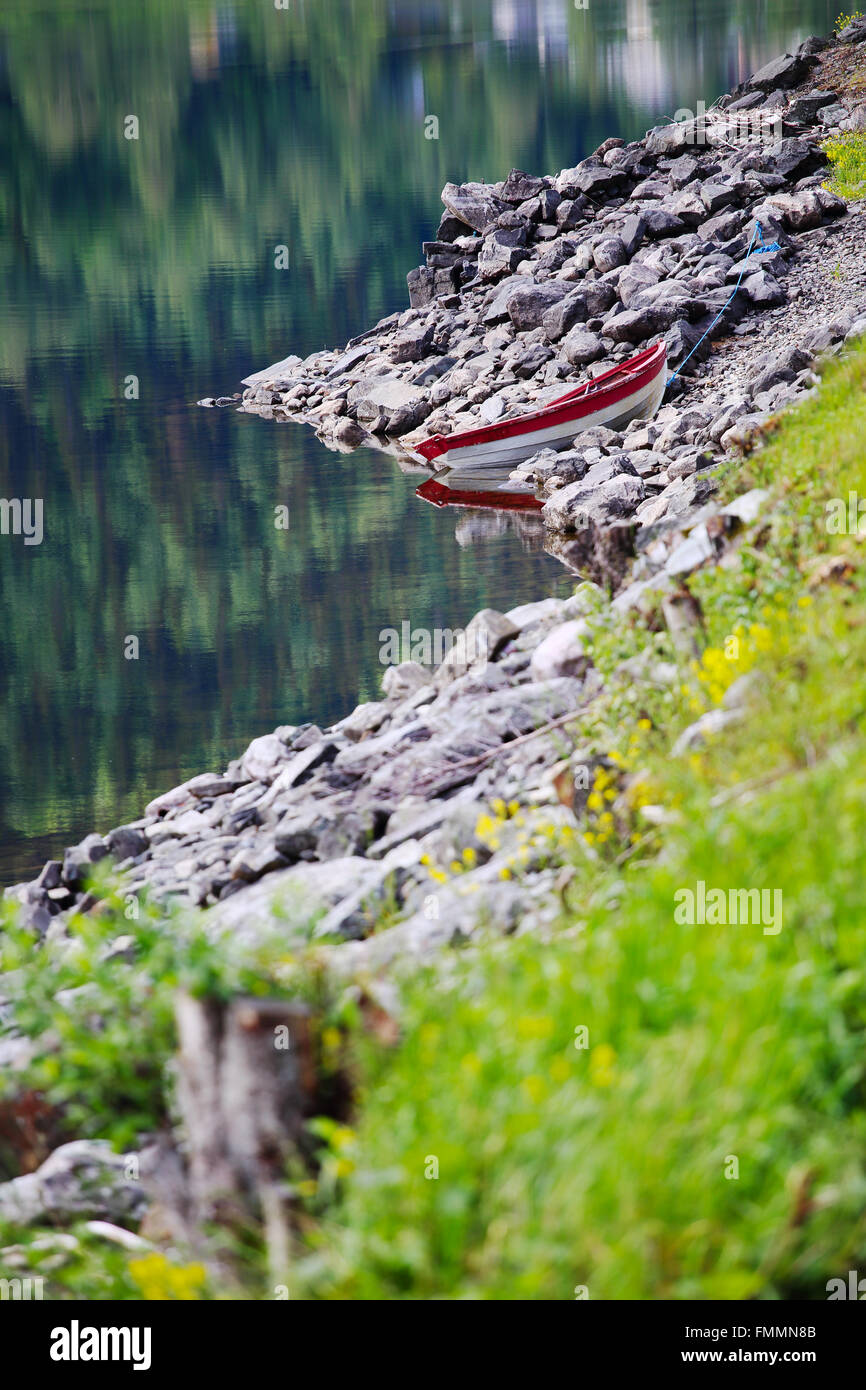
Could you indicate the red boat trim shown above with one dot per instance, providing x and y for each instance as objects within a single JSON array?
[
  {"x": 442, "y": 496},
  {"x": 630, "y": 376}
]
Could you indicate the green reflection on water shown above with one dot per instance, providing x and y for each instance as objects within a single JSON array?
[{"x": 155, "y": 257}]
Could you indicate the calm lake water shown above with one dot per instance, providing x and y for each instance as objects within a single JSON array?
[{"x": 153, "y": 258}]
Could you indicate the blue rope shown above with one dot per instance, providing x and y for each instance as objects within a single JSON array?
[{"x": 761, "y": 250}]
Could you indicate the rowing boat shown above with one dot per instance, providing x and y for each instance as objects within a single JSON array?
[{"x": 632, "y": 390}]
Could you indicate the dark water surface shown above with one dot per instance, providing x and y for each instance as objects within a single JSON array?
[{"x": 154, "y": 258}]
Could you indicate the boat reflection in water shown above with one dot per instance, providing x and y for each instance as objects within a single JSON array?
[
  {"x": 491, "y": 504},
  {"x": 493, "y": 489}
]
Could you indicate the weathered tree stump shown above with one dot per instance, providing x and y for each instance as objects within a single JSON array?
[{"x": 246, "y": 1080}]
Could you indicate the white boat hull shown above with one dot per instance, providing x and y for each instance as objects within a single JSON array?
[{"x": 507, "y": 453}]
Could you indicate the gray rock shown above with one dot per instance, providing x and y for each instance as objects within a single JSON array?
[
  {"x": 264, "y": 758},
  {"x": 562, "y": 652},
  {"x": 564, "y": 314},
  {"x": 474, "y": 204},
  {"x": 79, "y": 859},
  {"x": 746, "y": 103},
  {"x": 296, "y": 834},
  {"x": 748, "y": 506},
  {"x": 413, "y": 343},
  {"x": 836, "y": 114},
  {"x": 595, "y": 181},
  {"x": 857, "y": 119},
  {"x": 52, "y": 872},
  {"x": 301, "y": 766},
  {"x": 684, "y": 340},
  {"x": 349, "y": 433},
  {"x": 794, "y": 158},
  {"x": 502, "y": 251},
  {"x": 82, "y": 1179},
  {"x": 520, "y": 186},
  {"x": 661, "y": 223},
  {"x": 580, "y": 347},
  {"x": 804, "y": 109},
  {"x": 634, "y": 280},
  {"x": 855, "y": 32},
  {"x": 527, "y": 613},
  {"x": 636, "y": 325},
  {"x": 718, "y": 195},
  {"x": 690, "y": 208},
  {"x": 257, "y": 860},
  {"x": 580, "y": 504},
  {"x": 673, "y": 139},
  {"x": 528, "y": 303},
  {"x": 798, "y": 212},
  {"x": 289, "y": 899},
  {"x": 572, "y": 212},
  {"x": 763, "y": 290},
  {"x": 285, "y": 368},
  {"x": 126, "y": 842},
  {"x": 481, "y": 641},
  {"x": 390, "y": 399},
  {"x": 783, "y": 72},
  {"x": 422, "y": 286},
  {"x": 364, "y": 719},
  {"x": 450, "y": 227},
  {"x": 691, "y": 553},
  {"x": 631, "y": 233},
  {"x": 403, "y": 680},
  {"x": 610, "y": 253}
]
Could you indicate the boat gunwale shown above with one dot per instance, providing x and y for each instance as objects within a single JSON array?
[{"x": 623, "y": 380}]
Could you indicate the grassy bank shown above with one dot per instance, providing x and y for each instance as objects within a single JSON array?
[
  {"x": 632, "y": 1106},
  {"x": 711, "y": 1050}
]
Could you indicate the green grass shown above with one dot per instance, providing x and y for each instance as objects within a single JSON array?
[
  {"x": 604, "y": 1168},
  {"x": 847, "y": 156}
]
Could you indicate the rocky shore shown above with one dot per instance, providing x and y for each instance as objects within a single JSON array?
[{"x": 528, "y": 284}]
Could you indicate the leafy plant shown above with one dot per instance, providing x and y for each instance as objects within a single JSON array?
[{"x": 847, "y": 156}]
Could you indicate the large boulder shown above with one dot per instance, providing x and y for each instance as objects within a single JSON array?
[
  {"x": 502, "y": 251},
  {"x": 375, "y": 397},
  {"x": 518, "y": 187},
  {"x": 673, "y": 139},
  {"x": 794, "y": 158},
  {"x": 634, "y": 280},
  {"x": 636, "y": 325},
  {"x": 764, "y": 291},
  {"x": 581, "y": 505},
  {"x": 798, "y": 212},
  {"x": 413, "y": 343},
  {"x": 804, "y": 109},
  {"x": 572, "y": 212},
  {"x": 594, "y": 181},
  {"x": 582, "y": 347},
  {"x": 475, "y": 204},
  {"x": 857, "y": 118},
  {"x": 564, "y": 314},
  {"x": 561, "y": 652},
  {"x": 786, "y": 71},
  {"x": 426, "y": 284},
  {"x": 855, "y": 32},
  {"x": 661, "y": 223},
  {"x": 609, "y": 254},
  {"x": 528, "y": 303}
]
